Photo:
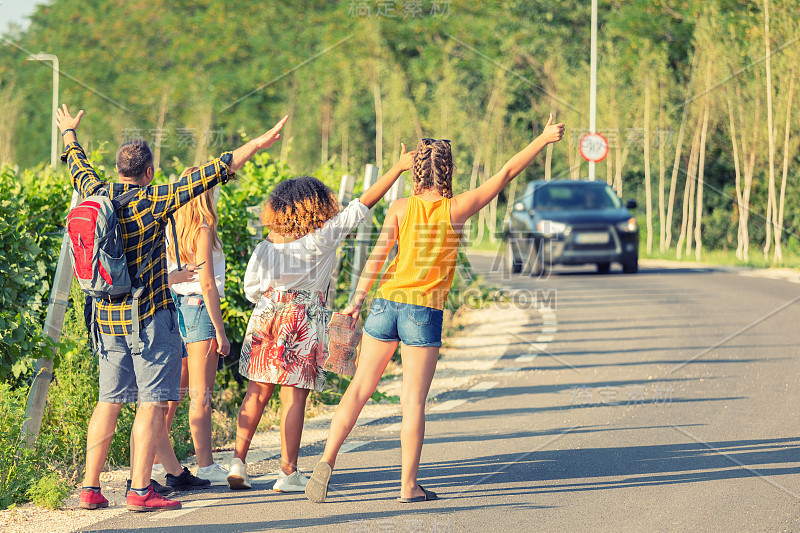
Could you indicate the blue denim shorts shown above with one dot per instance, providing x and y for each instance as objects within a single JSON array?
[
  {"x": 413, "y": 325},
  {"x": 193, "y": 318}
]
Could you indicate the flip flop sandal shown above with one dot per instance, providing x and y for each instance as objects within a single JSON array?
[
  {"x": 427, "y": 496},
  {"x": 317, "y": 487}
]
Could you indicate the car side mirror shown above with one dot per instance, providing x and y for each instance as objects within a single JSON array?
[
  {"x": 519, "y": 206},
  {"x": 631, "y": 204}
]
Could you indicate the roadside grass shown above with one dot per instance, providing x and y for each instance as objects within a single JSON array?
[{"x": 791, "y": 258}]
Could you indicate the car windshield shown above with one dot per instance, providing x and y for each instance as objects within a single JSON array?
[{"x": 575, "y": 197}]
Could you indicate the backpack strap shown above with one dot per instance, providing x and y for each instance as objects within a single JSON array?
[
  {"x": 125, "y": 198},
  {"x": 175, "y": 242}
]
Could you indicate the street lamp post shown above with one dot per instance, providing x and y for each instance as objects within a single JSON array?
[
  {"x": 59, "y": 295},
  {"x": 41, "y": 56},
  {"x": 593, "y": 84}
]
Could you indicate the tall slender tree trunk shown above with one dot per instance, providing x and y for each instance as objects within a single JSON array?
[
  {"x": 345, "y": 133},
  {"x": 647, "y": 186},
  {"x": 661, "y": 168},
  {"x": 786, "y": 156},
  {"x": 286, "y": 134},
  {"x": 677, "y": 162},
  {"x": 204, "y": 124},
  {"x": 376, "y": 95},
  {"x": 771, "y": 206},
  {"x": 159, "y": 139},
  {"x": 740, "y": 208},
  {"x": 698, "y": 228},
  {"x": 748, "y": 164},
  {"x": 325, "y": 128},
  {"x": 688, "y": 191}
]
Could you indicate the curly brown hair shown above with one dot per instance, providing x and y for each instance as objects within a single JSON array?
[
  {"x": 433, "y": 167},
  {"x": 298, "y": 206}
]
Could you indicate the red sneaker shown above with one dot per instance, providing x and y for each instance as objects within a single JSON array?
[
  {"x": 92, "y": 500},
  {"x": 152, "y": 501}
]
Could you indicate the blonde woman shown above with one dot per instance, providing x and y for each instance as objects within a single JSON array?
[{"x": 200, "y": 318}]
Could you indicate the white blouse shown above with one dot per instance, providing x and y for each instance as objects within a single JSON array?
[{"x": 305, "y": 264}]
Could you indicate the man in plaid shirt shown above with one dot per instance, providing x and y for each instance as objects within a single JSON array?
[{"x": 150, "y": 374}]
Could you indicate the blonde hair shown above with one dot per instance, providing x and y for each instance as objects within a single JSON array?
[{"x": 201, "y": 211}]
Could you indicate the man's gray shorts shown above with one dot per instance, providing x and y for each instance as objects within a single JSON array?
[{"x": 152, "y": 376}]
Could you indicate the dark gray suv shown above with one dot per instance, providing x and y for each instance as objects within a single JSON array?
[{"x": 571, "y": 222}]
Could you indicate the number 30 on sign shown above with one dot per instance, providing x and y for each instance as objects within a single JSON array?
[{"x": 594, "y": 147}]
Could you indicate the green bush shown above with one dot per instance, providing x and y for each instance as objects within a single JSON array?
[{"x": 49, "y": 490}]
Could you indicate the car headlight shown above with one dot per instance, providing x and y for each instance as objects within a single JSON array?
[
  {"x": 629, "y": 226},
  {"x": 549, "y": 228}
]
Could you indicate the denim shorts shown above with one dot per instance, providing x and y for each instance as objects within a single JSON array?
[
  {"x": 413, "y": 325},
  {"x": 152, "y": 376},
  {"x": 193, "y": 318}
]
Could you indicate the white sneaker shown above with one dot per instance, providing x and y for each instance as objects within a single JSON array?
[
  {"x": 294, "y": 482},
  {"x": 237, "y": 475},
  {"x": 214, "y": 473},
  {"x": 158, "y": 471}
]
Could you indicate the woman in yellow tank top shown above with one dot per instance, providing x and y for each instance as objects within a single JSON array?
[{"x": 408, "y": 304}]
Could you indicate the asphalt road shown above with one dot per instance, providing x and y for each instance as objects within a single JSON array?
[{"x": 661, "y": 401}]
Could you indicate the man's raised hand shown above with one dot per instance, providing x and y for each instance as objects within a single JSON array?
[
  {"x": 65, "y": 120},
  {"x": 269, "y": 138}
]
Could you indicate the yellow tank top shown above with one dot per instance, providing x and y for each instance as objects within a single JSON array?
[{"x": 427, "y": 249}]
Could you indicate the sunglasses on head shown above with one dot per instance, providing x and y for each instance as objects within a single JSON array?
[{"x": 429, "y": 140}]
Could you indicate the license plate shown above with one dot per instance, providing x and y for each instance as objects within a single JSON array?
[{"x": 592, "y": 238}]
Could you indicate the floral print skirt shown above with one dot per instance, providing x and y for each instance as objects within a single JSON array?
[{"x": 286, "y": 340}]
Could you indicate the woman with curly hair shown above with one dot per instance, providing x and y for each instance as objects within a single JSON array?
[
  {"x": 408, "y": 305},
  {"x": 287, "y": 278}
]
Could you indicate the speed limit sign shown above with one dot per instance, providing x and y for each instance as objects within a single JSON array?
[{"x": 594, "y": 147}]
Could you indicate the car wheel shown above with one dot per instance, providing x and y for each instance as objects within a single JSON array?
[
  {"x": 631, "y": 267},
  {"x": 603, "y": 268},
  {"x": 513, "y": 263},
  {"x": 535, "y": 260}
]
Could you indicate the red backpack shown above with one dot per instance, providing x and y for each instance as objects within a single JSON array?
[{"x": 97, "y": 248}]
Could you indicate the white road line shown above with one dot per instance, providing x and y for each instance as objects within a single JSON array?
[
  {"x": 483, "y": 386},
  {"x": 450, "y": 404},
  {"x": 510, "y": 370},
  {"x": 539, "y": 346},
  {"x": 545, "y": 338},
  {"x": 526, "y": 358},
  {"x": 186, "y": 508},
  {"x": 350, "y": 446},
  {"x": 392, "y": 427},
  {"x": 550, "y": 329}
]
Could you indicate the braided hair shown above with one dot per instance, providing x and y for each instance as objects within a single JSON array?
[
  {"x": 298, "y": 206},
  {"x": 433, "y": 167}
]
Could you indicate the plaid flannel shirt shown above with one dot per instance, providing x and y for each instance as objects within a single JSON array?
[{"x": 143, "y": 222}]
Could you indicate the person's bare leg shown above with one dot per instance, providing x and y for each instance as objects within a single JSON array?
[
  {"x": 256, "y": 398},
  {"x": 419, "y": 364},
  {"x": 375, "y": 355},
  {"x": 98, "y": 439},
  {"x": 293, "y": 411},
  {"x": 203, "y": 359},
  {"x": 173, "y": 406},
  {"x": 149, "y": 430}
]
